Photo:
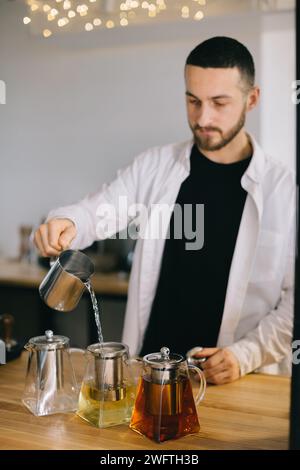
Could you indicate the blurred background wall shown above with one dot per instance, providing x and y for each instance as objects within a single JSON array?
[{"x": 79, "y": 106}]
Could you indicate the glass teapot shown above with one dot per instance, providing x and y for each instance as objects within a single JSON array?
[
  {"x": 164, "y": 407},
  {"x": 50, "y": 384},
  {"x": 108, "y": 389}
]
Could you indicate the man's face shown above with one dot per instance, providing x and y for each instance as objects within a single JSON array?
[{"x": 216, "y": 105}]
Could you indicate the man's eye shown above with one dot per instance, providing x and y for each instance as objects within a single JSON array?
[
  {"x": 220, "y": 104},
  {"x": 194, "y": 102}
]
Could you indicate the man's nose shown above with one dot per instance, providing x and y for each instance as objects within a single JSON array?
[{"x": 204, "y": 118}]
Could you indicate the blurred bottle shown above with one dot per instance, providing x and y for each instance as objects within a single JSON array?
[
  {"x": 12, "y": 347},
  {"x": 26, "y": 249},
  {"x": 2, "y": 352}
]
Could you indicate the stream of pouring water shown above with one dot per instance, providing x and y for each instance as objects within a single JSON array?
[
  {"x": 96, "y": 312},
  {"x": 101, "y": 349}
]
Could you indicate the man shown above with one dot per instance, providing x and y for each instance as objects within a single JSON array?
[{"x": 231, "y": 294}]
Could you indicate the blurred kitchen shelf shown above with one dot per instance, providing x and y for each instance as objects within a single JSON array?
[{"x": 16, "y": 273}]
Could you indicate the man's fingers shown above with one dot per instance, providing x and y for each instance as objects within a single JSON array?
[
  {"x": 221, "y": 367},
  {"x": 220, "y": 379},
  {"x": 39, "y": 243},
  {"x": 43, "y": 233},
  {"x": 213, "y": 360},
  {"x": 66, "y": 237},
  {"x": 49, "y": 251},
  {"x": 54, "y": 231},
  {"x": 54, "y": 236},
  {"x": 206, "y": 352},
  {"x": 213, "y": 371}
]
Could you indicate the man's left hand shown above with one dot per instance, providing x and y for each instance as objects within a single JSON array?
[{"x": 221, "y": 367}]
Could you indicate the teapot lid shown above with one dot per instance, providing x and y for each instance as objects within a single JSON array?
[
  {"x": 163, "y": 359},
  {"x": 48, "y": 342}
]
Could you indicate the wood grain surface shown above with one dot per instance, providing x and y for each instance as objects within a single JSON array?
[{"x": 252, "y": 413}]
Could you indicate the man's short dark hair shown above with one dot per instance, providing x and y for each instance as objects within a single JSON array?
[{"x": 224, "y": 52}]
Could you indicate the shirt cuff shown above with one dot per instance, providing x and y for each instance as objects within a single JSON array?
[{"x": 248, "y": 354}]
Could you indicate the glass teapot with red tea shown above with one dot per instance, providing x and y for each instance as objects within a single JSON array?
[{"x": 165, "y": 407}]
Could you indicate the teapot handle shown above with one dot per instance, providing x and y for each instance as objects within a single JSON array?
[
  {"x": 81, "y": 351},
  {"x": 202, "y": 385},
  {"x": 135, "y": 376},
  {"x": 74, "y": 350}
]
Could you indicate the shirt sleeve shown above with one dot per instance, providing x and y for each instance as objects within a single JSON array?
[
  {"x": 103, "y": 213},
  {"x": 271, "y": 341}
]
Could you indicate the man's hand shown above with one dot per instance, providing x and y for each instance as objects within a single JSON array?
[
  {"x": 221, "y": 367},
  {"x": 54, "y": 236}
]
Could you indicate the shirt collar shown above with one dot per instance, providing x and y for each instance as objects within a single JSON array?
[{"x": 255, "y": 170}]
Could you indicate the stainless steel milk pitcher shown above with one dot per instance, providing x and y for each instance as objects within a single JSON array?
[{"x": 64, "y": 284}]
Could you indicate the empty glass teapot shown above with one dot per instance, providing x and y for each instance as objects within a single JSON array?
[
  {"x": 50, "y": 384},
  {"x": 108, "y": 388},
  {"x": 164, "y": 407}
]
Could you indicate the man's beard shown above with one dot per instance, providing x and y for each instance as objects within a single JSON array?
[{"x": 203, "y": 143}]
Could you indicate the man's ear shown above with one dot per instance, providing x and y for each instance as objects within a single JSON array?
[{"x": 253, "y": 98}]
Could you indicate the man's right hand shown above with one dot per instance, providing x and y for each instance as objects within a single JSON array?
[{"x": 54, "y": 236}]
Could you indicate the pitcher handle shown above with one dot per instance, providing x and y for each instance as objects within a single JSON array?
[
  {"x": 52, "y": 260},
  {"x": 202, "y": 386}
]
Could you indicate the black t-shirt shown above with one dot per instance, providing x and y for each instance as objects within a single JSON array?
[{"x": 188, "y": 306}]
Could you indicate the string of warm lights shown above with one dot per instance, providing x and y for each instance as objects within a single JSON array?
[{"x": 56, "y": 14}]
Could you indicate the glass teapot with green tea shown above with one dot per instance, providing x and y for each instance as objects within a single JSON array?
[{"x": 108, "y": 388}]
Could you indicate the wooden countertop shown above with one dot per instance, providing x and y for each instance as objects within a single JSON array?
[
  {"x": 252, "y": 413},
  {"x": 23, "y": 274}
]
